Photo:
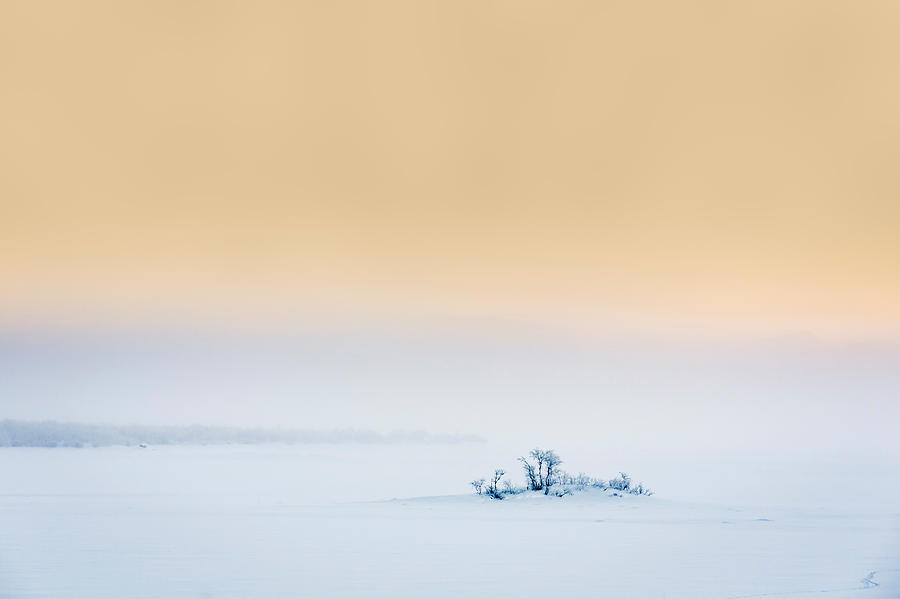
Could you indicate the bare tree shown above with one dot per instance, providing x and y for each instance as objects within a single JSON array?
[
  {"x": 478, "y": 484},
  {"x": 552, "y": 461},
  {"x": 530, "y": 474},
  {"x": 538, "y": 455},
  {"x": 493, "y": 488}
]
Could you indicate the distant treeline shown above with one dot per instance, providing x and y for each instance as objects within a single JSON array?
[{"x": 19, "y": 433}]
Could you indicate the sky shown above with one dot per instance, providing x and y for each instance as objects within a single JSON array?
[{"x": 359, "y": 174}]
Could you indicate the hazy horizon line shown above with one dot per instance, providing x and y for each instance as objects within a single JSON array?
[{"x": 54, "y": 433}]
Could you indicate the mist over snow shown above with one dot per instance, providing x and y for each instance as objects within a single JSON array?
[{"x": 486, "y": 378}]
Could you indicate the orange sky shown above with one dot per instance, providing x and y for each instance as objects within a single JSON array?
[{"x": 731, "y": 165}]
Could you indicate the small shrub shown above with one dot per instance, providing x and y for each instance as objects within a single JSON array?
[
  {"x": 621, "y": 482},
  {"x": 511, "y": 489}
]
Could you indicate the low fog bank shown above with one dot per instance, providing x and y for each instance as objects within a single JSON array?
[
  {"x": 18, "y": 433},
  {"x": 622, "y": 393}
]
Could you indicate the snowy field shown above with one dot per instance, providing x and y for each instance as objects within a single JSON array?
[{"x": 344, "y": 521}]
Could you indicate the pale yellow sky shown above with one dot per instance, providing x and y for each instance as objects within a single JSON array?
[{"x": 673, "y": 163}]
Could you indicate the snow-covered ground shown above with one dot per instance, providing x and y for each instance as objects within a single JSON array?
[{"x": 322, "y": 521}]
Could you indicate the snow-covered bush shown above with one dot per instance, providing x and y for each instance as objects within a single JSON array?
[
  {"x": 624, "y": 483},
  {"x": 581, "y": 481},
  {"x": 621, "y": 482},
  {"x": 599, "y": 483},
  {"x": 511, "y": 489},
  {"x": 640, "y": 489}
]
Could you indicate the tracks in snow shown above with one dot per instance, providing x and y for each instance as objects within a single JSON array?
[{"x": 867, "y": 583}]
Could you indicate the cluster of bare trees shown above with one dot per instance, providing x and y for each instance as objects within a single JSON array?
[
  {"x": 541, "y": 470},
  {"x": 543, "y": 474}
]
